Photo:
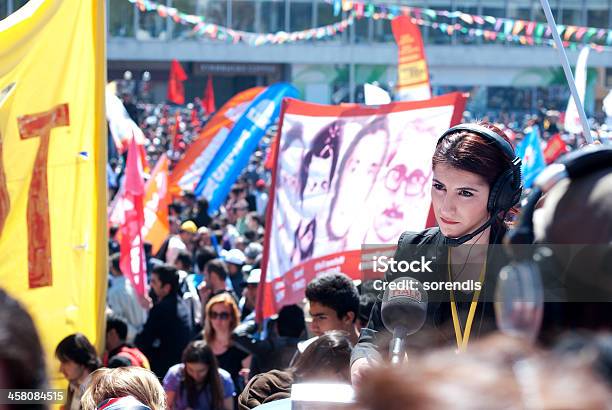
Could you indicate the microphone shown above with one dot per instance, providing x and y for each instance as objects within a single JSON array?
[
  {"x": 463, "y": 239},
  {"x": 403, "y": 312}
]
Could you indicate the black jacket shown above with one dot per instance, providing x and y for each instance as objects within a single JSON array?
[
  {"x": 438, "y": 329},
  {"x": 165, "y": 334}
]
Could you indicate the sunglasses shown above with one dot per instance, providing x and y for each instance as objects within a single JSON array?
[{"x": 220, "y": 316}]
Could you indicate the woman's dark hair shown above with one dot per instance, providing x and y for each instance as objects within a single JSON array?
[
  {"x": 473, "y": 153},
  {"x": 325, "y": 144},
  {"x": 199, "y": 352},
  {"x": 79, "y": 349},
  {"x": 329, "y": 354},
  {"x": 290, "y": 321}
]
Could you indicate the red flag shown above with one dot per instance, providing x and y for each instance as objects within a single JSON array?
[
  {"x": 555, "y": 148},
  {"x": 208, "y": 103},
  {"x": 176, "y": 91},
  {"x": 132, "y": 261}
]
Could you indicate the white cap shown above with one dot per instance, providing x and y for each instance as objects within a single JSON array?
[{"x": 235, "y": 256}]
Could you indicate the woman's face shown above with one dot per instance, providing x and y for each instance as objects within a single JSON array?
[
  {"x": 220, "y": 318},
  {"x": 197, "y": 371},
  {"x": 459, "y": 200}
]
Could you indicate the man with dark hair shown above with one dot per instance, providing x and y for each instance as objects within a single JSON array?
[
  {"x": 22, "y": 359},
  {"x": 123, "y": 300},
  {"x": 215, "y": 283},
  {"x": 169, "y": 326},
  {"x": 334, "y": 304},
  {"x": 118, "y": 352},
  {"x": 78, "y": 359}
]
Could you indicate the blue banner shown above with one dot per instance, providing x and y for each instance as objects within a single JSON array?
[
  {"x": 530, "y": 151},
  {"x": 234, "y": 154}
]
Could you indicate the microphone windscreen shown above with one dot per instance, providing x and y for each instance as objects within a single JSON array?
[{"x": 404, "y": 305}]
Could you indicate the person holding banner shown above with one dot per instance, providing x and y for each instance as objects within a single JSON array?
[{"x": 476, "y": 184}]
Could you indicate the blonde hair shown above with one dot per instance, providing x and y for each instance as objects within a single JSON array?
[
  {"x": 137, "y": 382},
  {"x": 227, "y": 300}
]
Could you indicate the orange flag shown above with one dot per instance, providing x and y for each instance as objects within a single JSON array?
[{"x": 156, "y": 201}]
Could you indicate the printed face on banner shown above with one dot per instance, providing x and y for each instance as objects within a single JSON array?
[{"x": 361, "y": 162}]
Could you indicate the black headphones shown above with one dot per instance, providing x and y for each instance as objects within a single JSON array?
[
  {"x": 576, "y": 164},
  {"x": 507, "y": 189},
  {"x": 533, "y": 275}
]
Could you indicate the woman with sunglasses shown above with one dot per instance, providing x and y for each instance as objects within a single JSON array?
[
  {"x": 222, "y": 317},
  {"x": 198, "y": 382},
  {"x": 475, "y": 186}
]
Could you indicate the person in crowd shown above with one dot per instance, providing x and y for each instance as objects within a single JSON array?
[
  {"x": 188, "y": 290},
  {"x": 203, "y": 238},
  {"x": 181, "y": 242},
  {"x": 241, "y": 210},
  {"x": 279, "y": 346},
  {"x": 189, "y": 203},
  {"x": 123, "y": 300},
  {"x": 124, "y": 388},
  {"x": 261, "y": 197},
  {"x": 222, "y": 317},
  {"x": 216, "y": 276},
  {"x": 249, "y": 295},
  {"x": 235, "y": 259},
  {"x": 334, "y": 304},
  {"x": 78, "y": 359},
  {"x": 118, "y": 352},
  {"x": 578, "y": 211},
  {"x": 366, "y": 304},
  {"x": 201, "y": 217},
  {"x": 113, "y": 244},
  {"x": 198, "y": 382},
  {"x": 22, "y": 359},
  {"x": 253, "y": 253},
  {"x": 476, "y": 183},
  {"x": 324, "y": 360},
  {"x": 168, "y": 328}
]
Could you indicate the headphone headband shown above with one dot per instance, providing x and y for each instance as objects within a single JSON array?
[{"x": 485, "y": 133}]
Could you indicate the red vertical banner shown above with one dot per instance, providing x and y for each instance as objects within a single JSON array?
[
  {"x": 412, "y": 71},
  {"x": 132, "y": 261}
]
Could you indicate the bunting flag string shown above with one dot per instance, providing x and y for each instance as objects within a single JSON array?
[
  {"x": 500, "y": 25},
  {"x": 218, "y": 32},
  {"x": 489, "y": 28}
]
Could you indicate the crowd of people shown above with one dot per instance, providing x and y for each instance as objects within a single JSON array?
[{"x": 193, "y": 342}]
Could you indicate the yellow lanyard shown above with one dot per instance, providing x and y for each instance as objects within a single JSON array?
[{"x": 462, "y": 339}]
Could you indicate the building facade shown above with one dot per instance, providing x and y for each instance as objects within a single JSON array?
[{"x": 499, "y": 75}]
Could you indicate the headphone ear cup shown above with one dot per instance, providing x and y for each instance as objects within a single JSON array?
[{"x": 503, "y": 196}]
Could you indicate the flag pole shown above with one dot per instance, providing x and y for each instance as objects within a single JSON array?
[{"x": 567, "y": 70}]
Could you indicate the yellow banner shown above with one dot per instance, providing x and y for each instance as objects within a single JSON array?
[{"x": 53, "y": 167}]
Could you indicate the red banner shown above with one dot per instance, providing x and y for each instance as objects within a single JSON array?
[
  {"x": 412, "y": 71},
  {"x": 132, "y": 261}
]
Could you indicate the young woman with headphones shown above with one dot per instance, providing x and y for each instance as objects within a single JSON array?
[{"x": 476, "y": 183}]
